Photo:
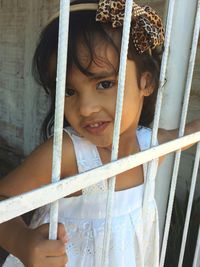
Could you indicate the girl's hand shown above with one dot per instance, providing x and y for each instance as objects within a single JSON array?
[
  {"x": 192, "y": 127},
  {"x": 41, "y": 252},
  {"x": 168, "y": 135}
]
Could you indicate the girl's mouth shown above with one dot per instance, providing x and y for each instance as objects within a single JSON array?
[{"x": 97, "y": 127}]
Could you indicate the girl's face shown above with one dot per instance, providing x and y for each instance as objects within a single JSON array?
[{"x": 91, "y": 100}]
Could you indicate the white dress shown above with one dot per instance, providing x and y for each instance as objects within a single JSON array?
[{"x": 134, "y": 235}]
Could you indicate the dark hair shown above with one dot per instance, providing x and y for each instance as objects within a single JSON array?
[{"x": 83, "y": 25}]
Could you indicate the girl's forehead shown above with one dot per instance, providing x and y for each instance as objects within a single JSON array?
[
  {"x": 100, "y": 53},
  {"x": 98, "y": 46},
  {"x": 102, "y": 63}
]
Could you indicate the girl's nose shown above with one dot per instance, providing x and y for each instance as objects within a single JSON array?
[{"x": 89, "y": 105}]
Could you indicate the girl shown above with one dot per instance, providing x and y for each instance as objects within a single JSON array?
[{"x": 94, "y": 46}]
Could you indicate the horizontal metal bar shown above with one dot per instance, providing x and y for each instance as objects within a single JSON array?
[{"x": 49, "y": 193}]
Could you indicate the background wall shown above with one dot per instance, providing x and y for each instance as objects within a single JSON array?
[{"x": 22, "y": 103}]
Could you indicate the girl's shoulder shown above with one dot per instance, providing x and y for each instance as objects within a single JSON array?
[
  {"x": 144, "y": 137},
  {"x": 68, "y": 165},
  {"x": 36, "y": 170},
  {"x": 144, "y": 130}
]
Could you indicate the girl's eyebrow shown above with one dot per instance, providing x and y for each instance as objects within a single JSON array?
[
  {"x": 98, "y": 76},
  {"x": 103, "y": 75}
]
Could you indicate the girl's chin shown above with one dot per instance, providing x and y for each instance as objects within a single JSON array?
[
  {"x": 99, "y": 141},
  {"x": 102, "y": 144}
]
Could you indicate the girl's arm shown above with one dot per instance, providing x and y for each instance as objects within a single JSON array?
[
  {"x": 34, "y": 172},
  {"x": 36, "y": 169},
  {"x": 169, "y": 135}
]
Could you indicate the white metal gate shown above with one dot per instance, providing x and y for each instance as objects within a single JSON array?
[{"x": 59, "y": 189}]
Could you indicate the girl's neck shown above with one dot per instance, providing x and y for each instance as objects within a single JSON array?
[{"x": 128, "y": 144}]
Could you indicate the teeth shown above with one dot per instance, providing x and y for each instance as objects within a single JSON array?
[{"x": 95, "y": 125}]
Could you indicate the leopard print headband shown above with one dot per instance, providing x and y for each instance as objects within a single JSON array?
[
  {"x": 147, "y": 30},
  {"x": 146, "y": 27}
]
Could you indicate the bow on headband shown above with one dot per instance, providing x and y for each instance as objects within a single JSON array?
[{"x": 146, "y": 28}]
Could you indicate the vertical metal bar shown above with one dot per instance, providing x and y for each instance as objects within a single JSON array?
[
  {"x": 197, "y": 251},
  {"x": 115, "y": 146},
  {"x": 151, "y": 165},
  {"x": 181, "y": 132},
  {"x": 59, "y": 107},
  {"x": 163, "y": 72},
  {"x": 174, "y": 92},
  {"x": 189, "y": 208}
]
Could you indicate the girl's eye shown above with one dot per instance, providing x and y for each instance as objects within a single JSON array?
[
  {"x": 69, "y": 92},
  {"x": 105, "y": 85}
]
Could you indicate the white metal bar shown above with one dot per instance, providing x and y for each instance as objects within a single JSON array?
[
  {"x": 181, "y": 133},
  {"x": 189, "y": 208},
  {"x": 118, "y": 113},
  {"x": 197, "y": 251},
  {"x": 151, "y": 165},
  {"x": 163, "y": 72},
  {"x": 42, "y": 196},
  {"x": 59, "y": 107},
  {"x": 190, "y": 71}
]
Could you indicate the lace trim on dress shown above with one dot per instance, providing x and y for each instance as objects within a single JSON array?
[{"x": 87, "y": 157}]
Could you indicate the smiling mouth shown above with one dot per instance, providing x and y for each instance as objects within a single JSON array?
[{"x": 97, "y": 127}]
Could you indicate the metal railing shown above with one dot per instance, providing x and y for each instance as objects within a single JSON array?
[{"x": 58, "y": 189}]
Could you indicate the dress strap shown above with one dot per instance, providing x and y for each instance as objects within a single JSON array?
[
  {"x": 144, "y": 138},
  {"x": 87, "y": 157}
]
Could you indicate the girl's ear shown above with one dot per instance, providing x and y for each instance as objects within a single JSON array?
[{"x": 146, "y": 83}]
